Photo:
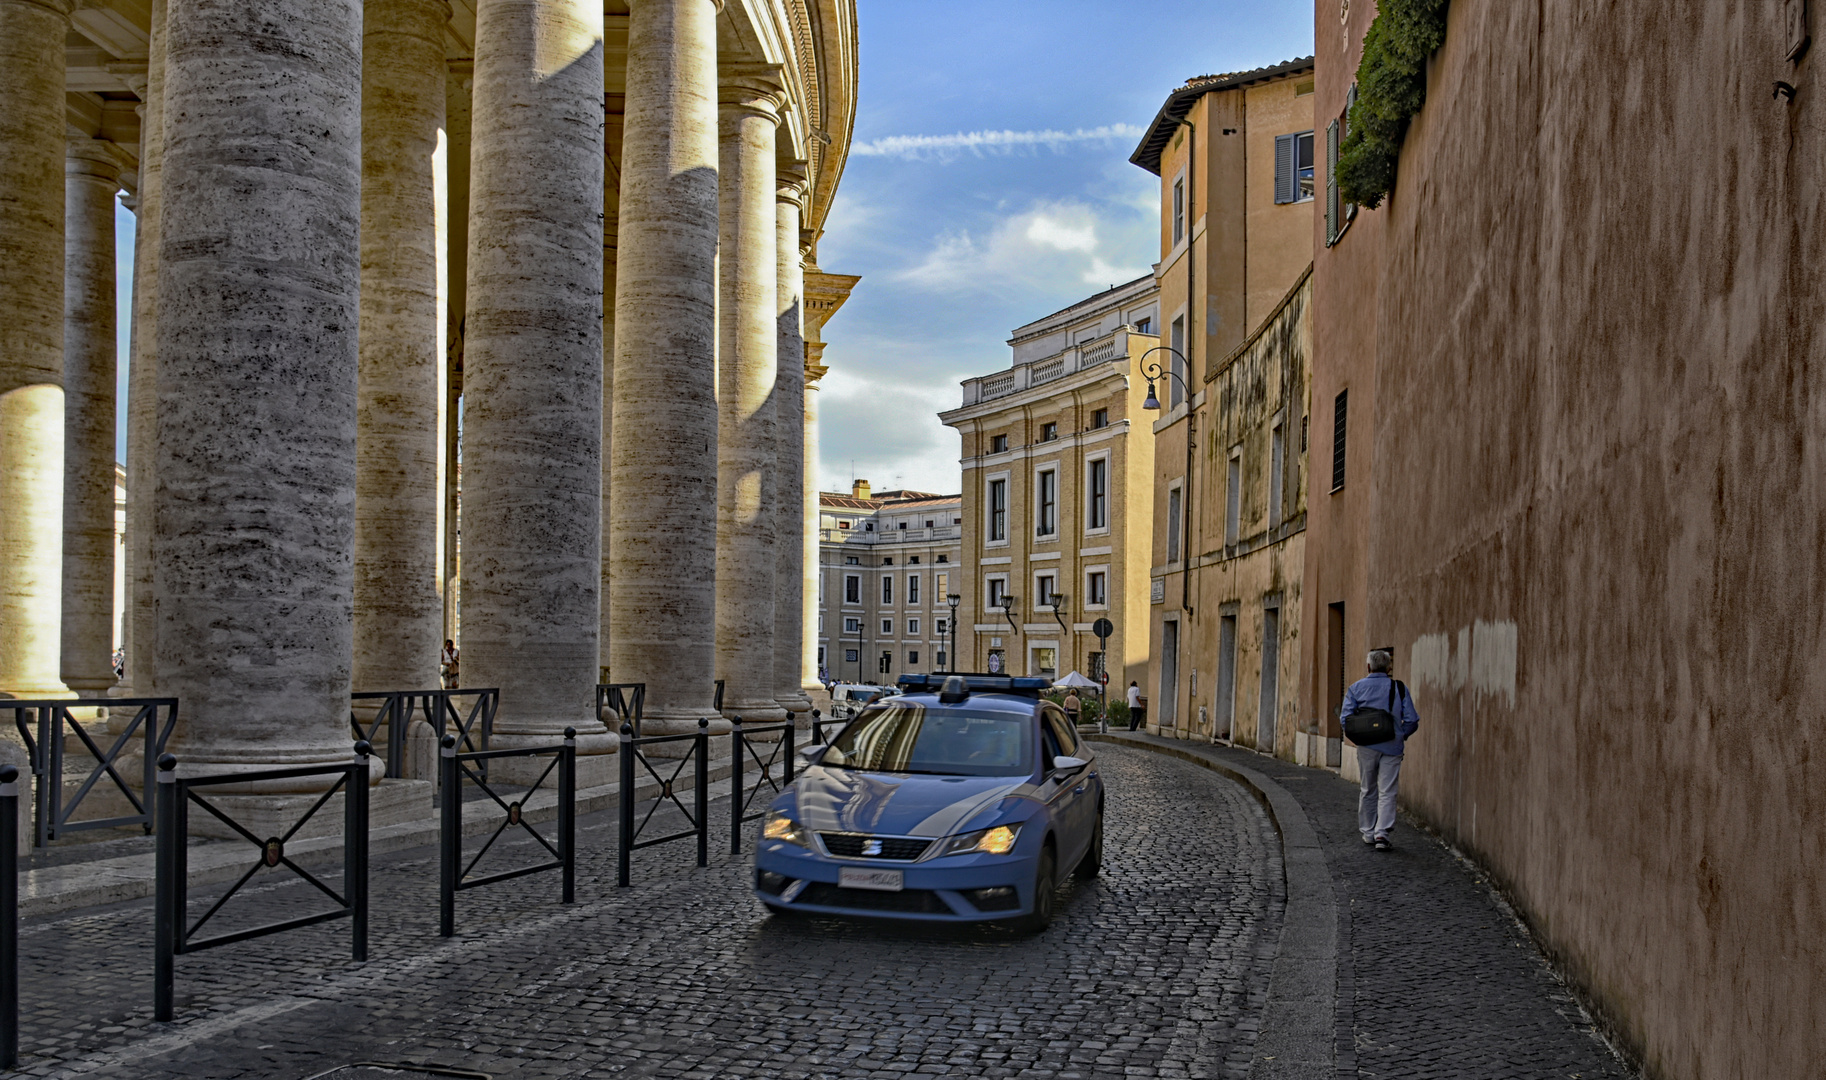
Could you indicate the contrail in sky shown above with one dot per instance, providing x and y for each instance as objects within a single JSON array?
[{"x": 994, "y": 142}]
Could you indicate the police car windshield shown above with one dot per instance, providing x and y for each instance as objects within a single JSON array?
[{"x": 904, "y": 736}]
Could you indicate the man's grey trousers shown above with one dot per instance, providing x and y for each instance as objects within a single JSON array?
[{"x": 1380, "y": 775}]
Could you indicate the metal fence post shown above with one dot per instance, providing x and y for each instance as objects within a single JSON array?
[
  {"x": 9, "y": 917},
  {"x": 450, "y": 833},
  {"x": 567, "y": 812},
  {"x": 702, "y": 743},
  {"x": 355, "y": 849},
  {"x": 735, "y": 788},
  {"x": 167, "y": 841},
  {"x": 50, "y": 765},
  {"x": 627, "y": 804},
  {"x": 786, "y": 763},
  {"x": 817, "y": 728}
]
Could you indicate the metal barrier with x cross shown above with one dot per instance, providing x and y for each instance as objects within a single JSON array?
[
  {"x": 627, "y": 700},
  {"x": 175, "y": 934},
  {"x": 439, "y": 710},
  {"x": 453, "y": 877},
  {"x": 46, "y": 737},
  {"x": 633, "y": 752},
  {"x": 776, "y": 772}
]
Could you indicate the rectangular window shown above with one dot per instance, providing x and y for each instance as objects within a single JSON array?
[
  {"x": 889, "y": 561},
  {"x": 1173, "y": 525},
  {"x": 914, "y": 561},
  {"x": 1293, "y": 167},
  {"x": 850, "y": 560},
  {"x": 943, "y": 627},
  {"x": 852, "y": 626},
  {"x": 998, "y": 443},
  {"x": 1277, "y": 466},
  {"x": 912, "y": 627},
  {"x": 942, "y": 582},
  {"x": 887, "y": 627},
  {"x": 843, "y": 524},
  {"x": 912, "y": 588},
  {"x": 1179, "y": 210},
  {"x": 1097, "y": 512},
  {"x": 912, "y": 657},
  {"x": 849, "y": 656},
  {"x": 887, "y": 589},
  {"x": 1176, "y": 393},
  {"x": 1233, "y": 497},
  {"x": 1144, "y": 326},
  {"x": 998, "y": 509},
  {"x": 1044, "y": 588},
  {"x": 1100, "y": 419},
  {"x": 1049, "y": 432},
  {"x": 1339, "y": 411},
  {"x": 852, "y": 589},
  {"x": 1048, "y": 522},
  {"x": 1096, "y": 588},
  {"x": 998, "y": 588}
]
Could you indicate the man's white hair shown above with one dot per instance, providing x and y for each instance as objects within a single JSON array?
[{"x": 1381, "y": 660}]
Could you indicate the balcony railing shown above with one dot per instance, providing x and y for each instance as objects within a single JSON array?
[
  {"x": 935, "y": 534},
  {"x": 1109, "y": 348}
]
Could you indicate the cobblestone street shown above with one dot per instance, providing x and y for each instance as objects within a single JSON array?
[{"x": 1159, "y": 968}]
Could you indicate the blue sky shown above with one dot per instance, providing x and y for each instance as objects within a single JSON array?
[
  {"x": 960, "y": 240},
  {"x": 988, "y": 185}
]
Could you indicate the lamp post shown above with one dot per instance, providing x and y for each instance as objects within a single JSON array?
[
  {"x": 954, "y": 599},
  {"x": 1153, "y": 372}
]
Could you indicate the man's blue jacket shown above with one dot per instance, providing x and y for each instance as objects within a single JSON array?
[{"x": 1377, "y": 691}]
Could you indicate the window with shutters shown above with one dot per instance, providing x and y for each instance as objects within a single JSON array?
[
  {"x": 1233, "y": 497},
  {"x": 1331, "y": 183},
  {"x": 1293, "y": 167},
  {"x": 1179, "y": 210},
  {"x": 1176, "y": 393},
  {"x": 1277, "y": 467},
  {"x": 1173, "y": 524},
  {"x": 1340, "y": 408}
]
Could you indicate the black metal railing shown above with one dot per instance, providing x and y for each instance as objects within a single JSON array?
[
  {"x": 718, "y": 703},
  {"x": 475, "y": 728},
  {"x": 453, "y": 877},
  {"x": 175, "y": 934},
  {"x": 818, "y": 726},
  {"x": 46, "y": 736},
  {"x": 9, "y": 917},
  {"x": 776, "y": 771},
  {"x": 633, "y": 753},
  {"x": 628, "y": 700}
]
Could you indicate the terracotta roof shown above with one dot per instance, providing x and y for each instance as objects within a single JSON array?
[
  {"x": 1179, "y": 103},
  {"x": 845, "y": 502}
]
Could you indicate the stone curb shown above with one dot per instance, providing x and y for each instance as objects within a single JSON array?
[
  {"x": 1298, "y": 1032},
  {"x": 57, "y": 889}
]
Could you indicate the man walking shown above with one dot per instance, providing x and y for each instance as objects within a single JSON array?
[
  {"x": 1379, "y": 765},
  {"x": 1072, "y": 705},
  {"x": 1134, "y": 705}
]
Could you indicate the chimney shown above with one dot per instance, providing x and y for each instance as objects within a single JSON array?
[{"x": 859, "y": 489}]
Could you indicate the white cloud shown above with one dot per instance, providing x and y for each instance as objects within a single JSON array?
[
  {"x": 1065, "y": 236},
  {"x": 1050, "y": 246},
  {"x": 978, "y": 143}
]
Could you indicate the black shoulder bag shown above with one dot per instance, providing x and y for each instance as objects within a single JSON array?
[{"x": 1368, "y": 727}]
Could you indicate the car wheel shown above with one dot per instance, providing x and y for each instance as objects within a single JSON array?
[
  {"x": 1045, "y": 894},
  {"x": 1092, "y": 863}
]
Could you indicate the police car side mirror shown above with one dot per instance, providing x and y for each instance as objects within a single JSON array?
[
  {"x": 1067, "y": 764},
  {"x": 811, "y": 754}
]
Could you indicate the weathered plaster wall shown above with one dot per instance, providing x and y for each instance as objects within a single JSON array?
[{"x": 1597, "y": 510}]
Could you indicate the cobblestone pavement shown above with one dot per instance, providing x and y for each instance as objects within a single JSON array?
[
  {"x": 1439, "y": 980},
  {"x": 1158, "y": 968}
]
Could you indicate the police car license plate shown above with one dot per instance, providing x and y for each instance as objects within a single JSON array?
[{"x": 879, "y": 880}]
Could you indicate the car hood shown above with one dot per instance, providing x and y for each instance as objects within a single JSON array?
[{"x": 894, "y": 804}]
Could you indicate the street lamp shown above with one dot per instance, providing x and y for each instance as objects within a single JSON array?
[
  {"x": 1008, "y": 600},
  {"x": 1152, "y": 372},
  {"x": 954, "y": 599},
  {"x": 1054, "y": 601}
]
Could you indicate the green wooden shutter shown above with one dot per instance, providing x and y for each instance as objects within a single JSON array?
[
  {"x": 1283, "y": 168},
  {"x": 1331, "y": 183}
]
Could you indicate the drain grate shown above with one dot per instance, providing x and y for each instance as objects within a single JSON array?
[{"x": 404, "y": 1070}]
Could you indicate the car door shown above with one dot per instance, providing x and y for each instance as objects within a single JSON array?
[{"x": 1070, "y": 820}]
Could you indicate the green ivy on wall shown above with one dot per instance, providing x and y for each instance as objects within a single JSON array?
[{"x": 1391, "y": 87}]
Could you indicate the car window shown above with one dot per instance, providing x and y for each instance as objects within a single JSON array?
[
  {"x": 1049, "y": 743},
  {"x": 1062, "y": 730},
  {"x": 902, "y": 736}
]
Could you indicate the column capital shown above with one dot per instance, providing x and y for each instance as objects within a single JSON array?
[
  {"x": 792, "y": 182},
  {"x": 98, "y": 159},
  {"x": 814, "y": 371},
  {"x": 134, "y": 74},
  {"x": 759, "y": 89}
]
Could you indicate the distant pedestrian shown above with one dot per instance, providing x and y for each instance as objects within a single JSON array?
[
  {"x": 1071, "y": 707},
  {"x": 1134, "y": 705},
  {"x": 447, "y": 665},
  {"x": 1381, "y": 704}
]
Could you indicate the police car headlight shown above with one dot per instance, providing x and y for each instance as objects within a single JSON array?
[
  {"x": 996, "y": 841},
  {"x": 782, "y": 827}
]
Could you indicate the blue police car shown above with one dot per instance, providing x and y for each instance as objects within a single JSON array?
[{"x": 966, "y": 798}]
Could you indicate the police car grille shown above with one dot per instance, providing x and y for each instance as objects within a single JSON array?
[{"x": 845, "y": 846}]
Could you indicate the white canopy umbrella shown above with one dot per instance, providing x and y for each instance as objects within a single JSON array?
[{"x": 1073, "y": 679}]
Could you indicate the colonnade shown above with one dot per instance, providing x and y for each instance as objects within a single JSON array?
[{"x": 344, "y": 235}]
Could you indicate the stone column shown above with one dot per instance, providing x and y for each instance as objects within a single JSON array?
[
  {"x": 91, "y": 179},
  {"x": 141, "y": 636},
  {"x": 611, "y": 214},
  {"x": 259, "y": 302},
  {"x": 31, "y": 343},
  {"x": 788, "y": 505},
  {"x": 398, "y": 615},
  {"x": 458, "y": 84},
  {"x": 532, "y": 440},
  {"x": 662, "y": 559},
  {"x": 747, "y": 371},
  {"x": 809, "y": 568}
]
